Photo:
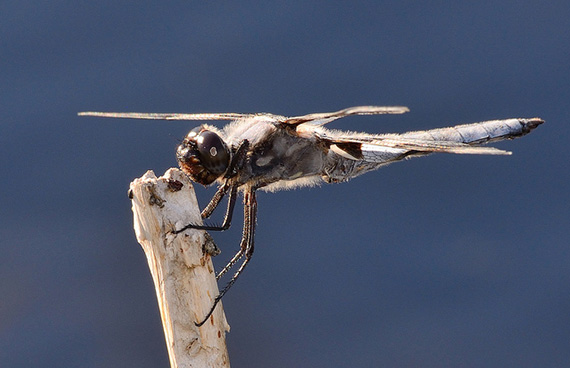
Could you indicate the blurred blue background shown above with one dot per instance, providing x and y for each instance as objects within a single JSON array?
[{"x": 442, "y": 261}]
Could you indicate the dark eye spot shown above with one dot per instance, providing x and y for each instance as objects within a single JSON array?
[{"x": 213, "y": 152}]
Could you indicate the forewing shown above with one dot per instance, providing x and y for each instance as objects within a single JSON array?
[
  {"x": 166, "y": 116},
  {"x": 312, "y": 119},
  {"x": 322, "y": 118}
]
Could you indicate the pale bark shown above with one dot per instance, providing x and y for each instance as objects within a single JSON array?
[{"x": 182, "y": 271}]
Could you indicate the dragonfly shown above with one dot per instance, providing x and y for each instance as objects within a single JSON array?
[{"x": 263, "y": 151}]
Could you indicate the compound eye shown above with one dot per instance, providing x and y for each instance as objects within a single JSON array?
[{"x": 213, "y": 151}]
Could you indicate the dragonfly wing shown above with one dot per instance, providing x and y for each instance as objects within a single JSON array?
[
  {"x": 167, "y": 116},
  {"x": 322, "y": 118},
  {"x": 316, "y": 119},
  {"x": 427, "y": 146},
  {"x": 460, "y": 139},
  {"x": 383, "y": 149}
]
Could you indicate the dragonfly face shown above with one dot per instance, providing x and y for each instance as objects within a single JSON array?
[
  {"x": 272, "y": 152},
  {"x": 203, "y": 155}
]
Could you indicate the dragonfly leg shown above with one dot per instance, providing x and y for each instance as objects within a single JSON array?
[
  {"x": 250, "y": 211},
  {"x": 215, "y": 201},
  {"x": 246, "y": 248},
  {"x": 210, "y": 208}
]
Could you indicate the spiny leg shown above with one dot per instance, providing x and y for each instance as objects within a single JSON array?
[
  {"x": 245, "y": 235},
  {"x": 248, "y": 235},
  {"x": 246, "y": 246},
  {"x": 231, "y": 263},
  {"x": 212, "y": 205},
  {"x": 215, "y": 201}
]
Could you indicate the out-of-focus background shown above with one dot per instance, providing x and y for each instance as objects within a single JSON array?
[{"x": 442, "y": 261}]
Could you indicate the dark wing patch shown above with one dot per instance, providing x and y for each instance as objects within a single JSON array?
[{"x": 350, "y": 150}]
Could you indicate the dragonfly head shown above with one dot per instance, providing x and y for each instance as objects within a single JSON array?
[{"x": 203, "y": 155}]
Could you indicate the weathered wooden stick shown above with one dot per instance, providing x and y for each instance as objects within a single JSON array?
[{"x": 181, "y": 268}]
